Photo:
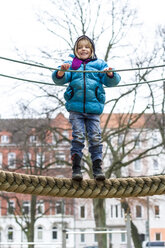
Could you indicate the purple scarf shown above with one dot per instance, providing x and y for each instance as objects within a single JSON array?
[{"x": 76, "y": 63}]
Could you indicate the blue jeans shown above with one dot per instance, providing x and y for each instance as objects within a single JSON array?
[{"x": 83, "y": 124}]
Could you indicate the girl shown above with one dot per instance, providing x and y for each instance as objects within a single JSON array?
[{"x": 85, "y": 98}]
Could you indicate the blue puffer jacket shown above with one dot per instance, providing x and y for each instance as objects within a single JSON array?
[{"x": 85, "y": 93}]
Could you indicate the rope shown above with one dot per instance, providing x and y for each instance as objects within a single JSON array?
[
  {"x": 39, "y": 82},
  {"x": 88, "y": 188},
  {"x": 58, "y": 69},
  {"x": 26, "y": 80}
]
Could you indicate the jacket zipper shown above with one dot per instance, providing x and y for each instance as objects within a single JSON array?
[{"x": 84, "y": 89}]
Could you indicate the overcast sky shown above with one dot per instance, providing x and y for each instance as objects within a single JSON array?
[
  {"x": 19, "y": 28},
  {"x": 19, "y": 25}
]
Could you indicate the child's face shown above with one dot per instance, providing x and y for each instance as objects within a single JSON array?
[{"x": 84, "y": 49}]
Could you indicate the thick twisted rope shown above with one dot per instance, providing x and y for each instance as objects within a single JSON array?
[{"x": 88, "y": 188}]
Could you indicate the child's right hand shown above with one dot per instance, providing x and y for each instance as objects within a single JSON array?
[{"x": 65, "y": 66}]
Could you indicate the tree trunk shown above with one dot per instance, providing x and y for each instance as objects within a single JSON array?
[
  {"x": 134, "y": 231},
  {"x": 100, "y": 221},
  {"x": 32, "y": 220},
  {"x": 135, "y": 236}
]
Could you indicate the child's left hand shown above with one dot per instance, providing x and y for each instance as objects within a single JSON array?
[{"x": 110, "y": 74}]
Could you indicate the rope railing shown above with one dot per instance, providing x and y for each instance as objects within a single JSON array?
[
  {"x": 58, "y": 69},
  {"x": 87, "y": 188},
  {"x": 52, "y": 84}
]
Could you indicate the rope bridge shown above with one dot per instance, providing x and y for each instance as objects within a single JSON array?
[{"x": 87, "y": 188}]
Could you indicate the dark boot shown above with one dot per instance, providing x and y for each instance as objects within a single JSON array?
[
  {"x": 97, "y": 170},
  {"x": 76, "y": 168}
]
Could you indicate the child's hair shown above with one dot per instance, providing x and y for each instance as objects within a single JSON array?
[{"x": 89, "y": 42}]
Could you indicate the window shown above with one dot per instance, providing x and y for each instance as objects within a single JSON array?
[
  {"x": 11, "y": 160},
  {"x": 10, "y": 234},
  {"x": 40, "y": 207},
  {"x": 60, "y": 158},
  {"x": 82, "y": 212},
  {"x": 26, "y": 207},
  {"x": 155, "y": 164},
  {"x": 26, "y": 159},
  {"x": 1, "y": 160},
  {"x": 157, "y": 236},
  {"x": 54, "y": 232},
  {"x": 59, "y": 207},
  {"x": 116, "y": 211},
  {"x": 123, "y": 237},
  {"x": 95, "y": 237},
  {"x": 138, "y": 211},
  {"x": 156, "y": 211},
  {"x": 110, "y": 237},
  {"x": 122, "y": 212},
  {"x": 82, "y": 237},
  {"x": 40, "y": 159},
  {"x": 121, "y": 139},
  {"x": 51, "y": 161},
  {"x": 137, "y": 165},
  {"x": 33, "y": 139},
  {"x": 4, "y": 139},
  {"x": 55, "y": 138},
  {"x": 111, "y": 211},
  {"x": 154, "y": 139},
  {"x": 11, "y": 207},
  {"x": 137, "y": 141},
  {"x": 40, "y": 233},
  {"x": 65, "y": 136}
]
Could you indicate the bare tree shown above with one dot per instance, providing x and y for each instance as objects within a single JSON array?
[
  {"x": 36, "y": 155},
  {"x": 107, "y": 26},
  {"x": 110, "y": 24},
  {"x": 157, "y": 91}
]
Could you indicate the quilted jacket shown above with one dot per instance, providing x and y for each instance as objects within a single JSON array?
[{"x": 85, "y": 92}]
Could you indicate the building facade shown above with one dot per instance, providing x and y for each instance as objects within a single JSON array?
[{"x": 42, "y": 147}]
